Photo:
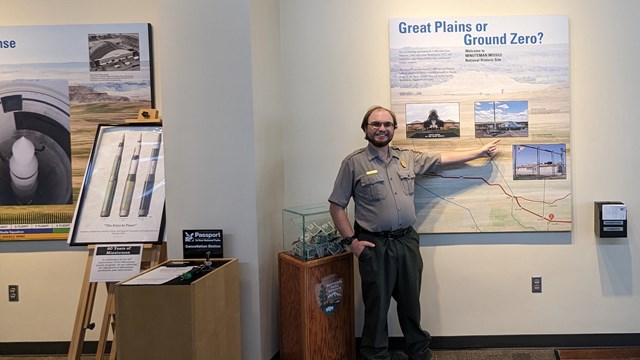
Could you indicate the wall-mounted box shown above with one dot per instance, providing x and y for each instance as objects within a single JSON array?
[{"x": 610, "y": 219}]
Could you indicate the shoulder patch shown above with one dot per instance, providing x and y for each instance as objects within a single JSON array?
[
  {"x": 396, "y": 148},
  {"x": 359, "y": 151}
]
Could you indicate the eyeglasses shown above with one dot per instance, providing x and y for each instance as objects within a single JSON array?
[{"x": 378, "y": 124}]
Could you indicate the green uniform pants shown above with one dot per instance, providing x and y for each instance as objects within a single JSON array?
[{"x": 393, "y": 268}]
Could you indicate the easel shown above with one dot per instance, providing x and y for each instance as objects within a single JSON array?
[{"x": 151, "y": 255}]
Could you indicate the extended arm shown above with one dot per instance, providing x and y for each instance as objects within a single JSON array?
[{"x": 459, "y": 157}]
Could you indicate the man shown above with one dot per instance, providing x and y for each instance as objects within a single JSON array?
[{"x": 380, "y": 178}]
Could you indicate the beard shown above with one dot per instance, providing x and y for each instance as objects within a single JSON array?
[{"x": 378, "y": 143}]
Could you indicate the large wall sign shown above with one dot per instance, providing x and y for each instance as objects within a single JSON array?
[
  {"x": 56, "y": 84},
  {"x": 457, "y": 83}
]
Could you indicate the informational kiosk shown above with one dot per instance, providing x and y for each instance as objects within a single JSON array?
[{"x": 191, "y": 313}]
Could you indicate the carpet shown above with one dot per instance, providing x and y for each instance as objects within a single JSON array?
[
  {"x": 488, "y": 354},
  {"x": 599, "y": 354}
]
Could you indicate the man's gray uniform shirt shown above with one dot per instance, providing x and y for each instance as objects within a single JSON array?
[{"x": 382, "y": 190}]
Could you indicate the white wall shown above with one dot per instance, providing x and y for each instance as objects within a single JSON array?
[
  {"x": 268, "y": 137},
  {"x": 336, "y": 59},
  {"x": 262, "y": 99}
]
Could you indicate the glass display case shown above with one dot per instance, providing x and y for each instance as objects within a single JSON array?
[{"x": 309, "y": 232}]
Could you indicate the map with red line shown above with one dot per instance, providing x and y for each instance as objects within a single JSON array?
[{"x": 462, "y": 201}]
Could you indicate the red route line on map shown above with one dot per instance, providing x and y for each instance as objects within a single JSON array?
[{"x": 516, "y": 198}]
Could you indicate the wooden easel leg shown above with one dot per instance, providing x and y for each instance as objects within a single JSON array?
[
  {"x": 112, "y": 353},
  {"x": 153, "y": 255},
  {"x": 109, "y": 313},
  {"x": 83, "y": 315}
]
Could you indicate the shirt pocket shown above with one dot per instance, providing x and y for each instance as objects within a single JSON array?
[
  {"x": 372, "y": 187},
  {"x": 407, "y": 179}
]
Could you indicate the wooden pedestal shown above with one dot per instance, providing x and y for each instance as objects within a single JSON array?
[
  {"x": 307, "y": 332},
  {"x": 199, "y": 321}
]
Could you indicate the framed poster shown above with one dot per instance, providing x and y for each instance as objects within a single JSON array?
[
  {"x": 458, "y": 83},
  {"x": 57, "y": 83},
  {"x": 123, "y": 193}
]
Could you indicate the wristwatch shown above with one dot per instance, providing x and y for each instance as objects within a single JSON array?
[{"x": 347, "y": 241}]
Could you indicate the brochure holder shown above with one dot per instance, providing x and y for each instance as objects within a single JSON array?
[{"x": 610, "y": 219}]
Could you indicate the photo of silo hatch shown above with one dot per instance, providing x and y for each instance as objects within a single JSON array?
[{"x": 35, "y": 143}]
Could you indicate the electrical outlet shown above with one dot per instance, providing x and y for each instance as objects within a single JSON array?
[
  {"x": 536, "y": 284},
  {"x": 14, "y": 295}
]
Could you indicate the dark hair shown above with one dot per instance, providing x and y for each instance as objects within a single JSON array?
[
  {"x": 365, "y": 119},
  {"x": 433, "y": 115}
]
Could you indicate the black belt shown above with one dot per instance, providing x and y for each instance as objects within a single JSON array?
[{"x": 384, "y": 234}]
